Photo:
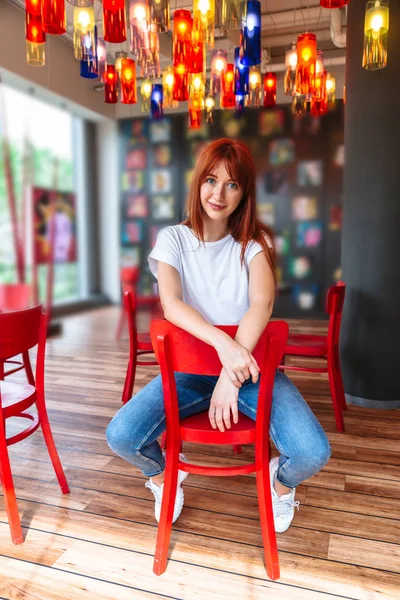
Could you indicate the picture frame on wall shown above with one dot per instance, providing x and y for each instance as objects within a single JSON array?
[
  {"x": 160, "y": 131},
  {"x": 309, "y": 234},
  {"x": 132, "y": 232},
  {"x": 160, "y": 181},
  {"x": 130, "y": 256},
  {"x": 136, "y": 158},
  {"x": 162, "y": 155},
  {"x": 136, "y": 205},
  {"x": 304, "y": 208},
  {"x": 310, "y": 173},
  {"x": 162, "y": 207},
  {"x": 133, "y": 181}
]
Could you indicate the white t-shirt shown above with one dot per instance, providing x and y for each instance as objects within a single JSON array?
[{"x": 213, "y": 280}]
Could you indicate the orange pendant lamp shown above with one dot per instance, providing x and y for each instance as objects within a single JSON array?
[
  {"x": 128, "y": 81},
  {"x": 306, "y": 63}
]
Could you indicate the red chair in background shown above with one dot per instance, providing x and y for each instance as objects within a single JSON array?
[
  {"x": 129, "y": 280},
  {"x": 16, "y": 296},
  {"x": 177, "y": 350},
  {"x": 20, "y": 331},
  {"x": 327, "y": 347},
  {"x": 139, "y": 344}
]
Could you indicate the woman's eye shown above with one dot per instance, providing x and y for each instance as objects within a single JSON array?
[
  {"x": 210, "y": 180},
  {"x": 233, "y": 185}
]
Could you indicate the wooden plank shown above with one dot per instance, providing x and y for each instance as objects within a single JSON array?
[
  {"x": 373, "y": 487},
  {"x": 366, "y": 553},
  {"x": 354, "y": 503}
]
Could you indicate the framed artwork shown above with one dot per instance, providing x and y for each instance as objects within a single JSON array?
[
  {"x": 309, "y": 234},
  {"x": 154, "y": 229},
  {"x": 130, "y": 257},
  {"x": 300, "y": 267},
  {"x": 309, "y": 173},
  {"x": 281, "y": 151},
  {"x": 162, "y": 155},
  {"x": 304, "y": 208},
  {"x": 132, "y": 232},
  {"x": 163, "y": 207},
  {"x": 305, "y": 296},
  {"x": 266, "y": 213},
  {"x": 54, "y": 219},
  {"x": 271, "y": 122},
  {"x": 160, "y": 181},
  {"x": 282, "y": 243},
  {"x": 138, "y": 130},
  {"x": 133, "y": 181},
  {"x": 136, "y": 205},
  {"x": 277, "y": 182},
  {"x": 136, "y": 158},
  {"x": 160, "y": 131}
]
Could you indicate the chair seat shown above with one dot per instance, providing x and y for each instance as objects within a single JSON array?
[
  {"x": 307, "y": 345},
  {"x": 144, "y": 342},
  {"x": 198, "y": 429},
  {"x": 16, "y": 397}
]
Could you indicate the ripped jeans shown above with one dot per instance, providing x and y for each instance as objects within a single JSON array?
[{"x": 297, "y": 434}]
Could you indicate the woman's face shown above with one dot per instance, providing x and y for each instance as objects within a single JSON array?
[{"x": 219, "y": 194}]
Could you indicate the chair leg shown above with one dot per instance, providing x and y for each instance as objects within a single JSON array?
[
  {"x": 121, "y": 322},
  {"x": 336, "y": 399},
  {"x": 129, "y": 380},
  {"x": 28, "y": 368},
  {"x": 51, "y": 446},
  {"x": 167, "y": 513},
  {"x": 6, "y": 479},
  {"x": 267, "y": 521},
  {"x": 339, "y": 380}
]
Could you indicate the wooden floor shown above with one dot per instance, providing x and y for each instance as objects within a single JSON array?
[{"x": 98, "y": 542}]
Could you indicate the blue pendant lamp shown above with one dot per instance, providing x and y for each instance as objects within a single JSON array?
[
  {"x": 156, "y": 101},
  {"x": 250, "y": 48},
  {"x": 241, "y": 76},
  {"x": 90, "y": 66}
]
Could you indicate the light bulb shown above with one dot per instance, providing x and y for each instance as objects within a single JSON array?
[
  {"x": 210, "y": 102},
  {"x": 251, "y": 22},
  {"x": 197, "y": 83},
  {"x": 204, "y": 6},
  {"x": 219, "y": 65},
  {"x": 306, "y": 54},
  {"x": 84, "y": 19},
  {"x": 139, "y": 12},
  {"x": 329, "y": 85},
  {"x": 169, "y": 80},
  {"x": 292, "y": 59}
]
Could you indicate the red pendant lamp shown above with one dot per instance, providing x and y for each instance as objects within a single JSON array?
[
  {"x": 114, "y": 21},
  {"x": 306, "y": 63},
  {"x": 333, "y": 3},
  {"x": 54, "y": 16},
  {"x": 110, "y": 85},
  {"x": 181, "y": 84},
  {"x": 194, "y": 119},
  {"x": 182, "y": 38},
  {"x": 34, "y": 31},
  {"x": 128, "y": 81},
  {"x": 270, "y": 89},
  {"x": 228, "y": 96}
]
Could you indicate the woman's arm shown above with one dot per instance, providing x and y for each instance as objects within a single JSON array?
[
  {"x": 235, "y": 358},
  {"x": 261, "y": 298}
]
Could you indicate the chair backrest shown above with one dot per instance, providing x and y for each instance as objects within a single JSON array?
[
  {"x": 130, "y": 306},
  {"x": 20, "y": 330},
  {"x": 178, "y": 350},
  {"x": 129, "y": 278},
  {"x": 334, "y": 307},
  {"x": 15, "y": 296}
]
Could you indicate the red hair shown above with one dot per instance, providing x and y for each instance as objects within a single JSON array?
[{"x": 243, "y": 223}]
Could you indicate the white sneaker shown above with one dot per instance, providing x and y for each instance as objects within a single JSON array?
[
  {"x": 158, "y": 492},
  {"x": 283, "y": 506}
]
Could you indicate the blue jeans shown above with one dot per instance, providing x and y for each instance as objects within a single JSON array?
[{"x": 295, "y": 431}]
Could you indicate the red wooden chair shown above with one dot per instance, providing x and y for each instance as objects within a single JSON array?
[
  {"x": 16, "y": 296},
  {"x": 179, "y": 351},
  {"x": 20, "y": 331},
  {"x": 139, "y": 344},
  {"x": 327, "y": 347},
  {"x": 129, "y": 279}
]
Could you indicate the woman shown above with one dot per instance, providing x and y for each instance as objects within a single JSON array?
[{"x": 217, "y": 268}]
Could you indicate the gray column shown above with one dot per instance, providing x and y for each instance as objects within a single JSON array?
[{"x": 370, "y": 336}]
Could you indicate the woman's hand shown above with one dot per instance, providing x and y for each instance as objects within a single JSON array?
[
  {"x": 237, "y": 361},
  {"x": 223, "y": 402}
]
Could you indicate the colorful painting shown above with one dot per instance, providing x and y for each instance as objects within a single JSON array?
[
  {"x": 309, "y": 173},
  {"x": 133, "y": 181},
  {"x": 138, "y": 130},
  {"x": 305, "y": 296},
  {"x": 282, "y": 243},
  {"x": 136, "y": 158},
  {"x": 160, "y": 181},
  {"x": 271, "y": 122},
  {"x": 304, "y": 208},
  {"x": 54, "y": 216},
  {"x": 277, "y": 182},
  {"x": 282, "y": 151},
  {"x": 300, "y": 267},
  {"x": 162, "y": 155},
  {"x": 160, "y": 131},
  {"x": 136, "y": 205},
  {"x": 130, "y": 257},
  {"x": 309, "y": 234},
  {"x": 266, "y": 213},
  {"x": 132, "y": 232},
  {"x": 163, "y": 207}
]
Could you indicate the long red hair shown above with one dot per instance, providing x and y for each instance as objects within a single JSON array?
[{"x": 243, "y": 223}]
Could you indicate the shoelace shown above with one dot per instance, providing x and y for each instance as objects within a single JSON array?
[{"x": 284, "y": 507}]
